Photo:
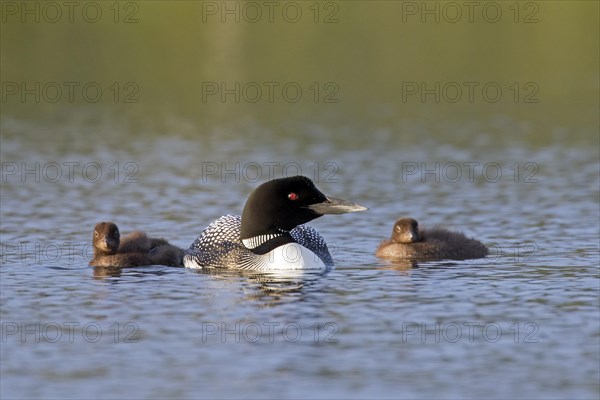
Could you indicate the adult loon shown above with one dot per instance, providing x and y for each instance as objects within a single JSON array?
[
  {"x": 269, "y": 235},
  {"x": 408, "y": 242}
]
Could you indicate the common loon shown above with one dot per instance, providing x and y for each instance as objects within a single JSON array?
[
  {"x": 134, "y": 250},
  {"x": 269, "y": 235},
  {"x": 408, "y": 242}
]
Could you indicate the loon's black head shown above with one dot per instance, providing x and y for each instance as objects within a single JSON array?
[
  {"x": 106, "y": 238},
  {"x": 282, "y": 204}
]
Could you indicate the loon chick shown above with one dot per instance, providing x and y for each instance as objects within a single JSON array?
[
  {"x": 408, "y": 242},
  {"x": 138, "y": 242},
  {"x": 135, "y": 250},
  {"x": 269, "y": 235}
]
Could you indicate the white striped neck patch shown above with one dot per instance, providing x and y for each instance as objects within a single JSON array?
[{"x": 256, "y": 241}]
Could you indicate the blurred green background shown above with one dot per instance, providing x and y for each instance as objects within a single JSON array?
[{"x": 361, "y": 55}]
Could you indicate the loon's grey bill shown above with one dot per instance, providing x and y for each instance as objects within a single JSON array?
[{"x": 336, "y": 206}]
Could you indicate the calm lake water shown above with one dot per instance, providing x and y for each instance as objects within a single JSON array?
[
  {"x": 522, "y": 177},
  {"x": 527, "y": 315}
]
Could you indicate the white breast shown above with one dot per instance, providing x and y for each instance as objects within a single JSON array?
[{"x": 291, "y": 256}]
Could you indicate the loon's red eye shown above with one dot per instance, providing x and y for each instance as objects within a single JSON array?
[{"x": 293, "y": 196}]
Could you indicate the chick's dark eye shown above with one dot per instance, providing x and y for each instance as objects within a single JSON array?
[{"x": 293, "y": 196}]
